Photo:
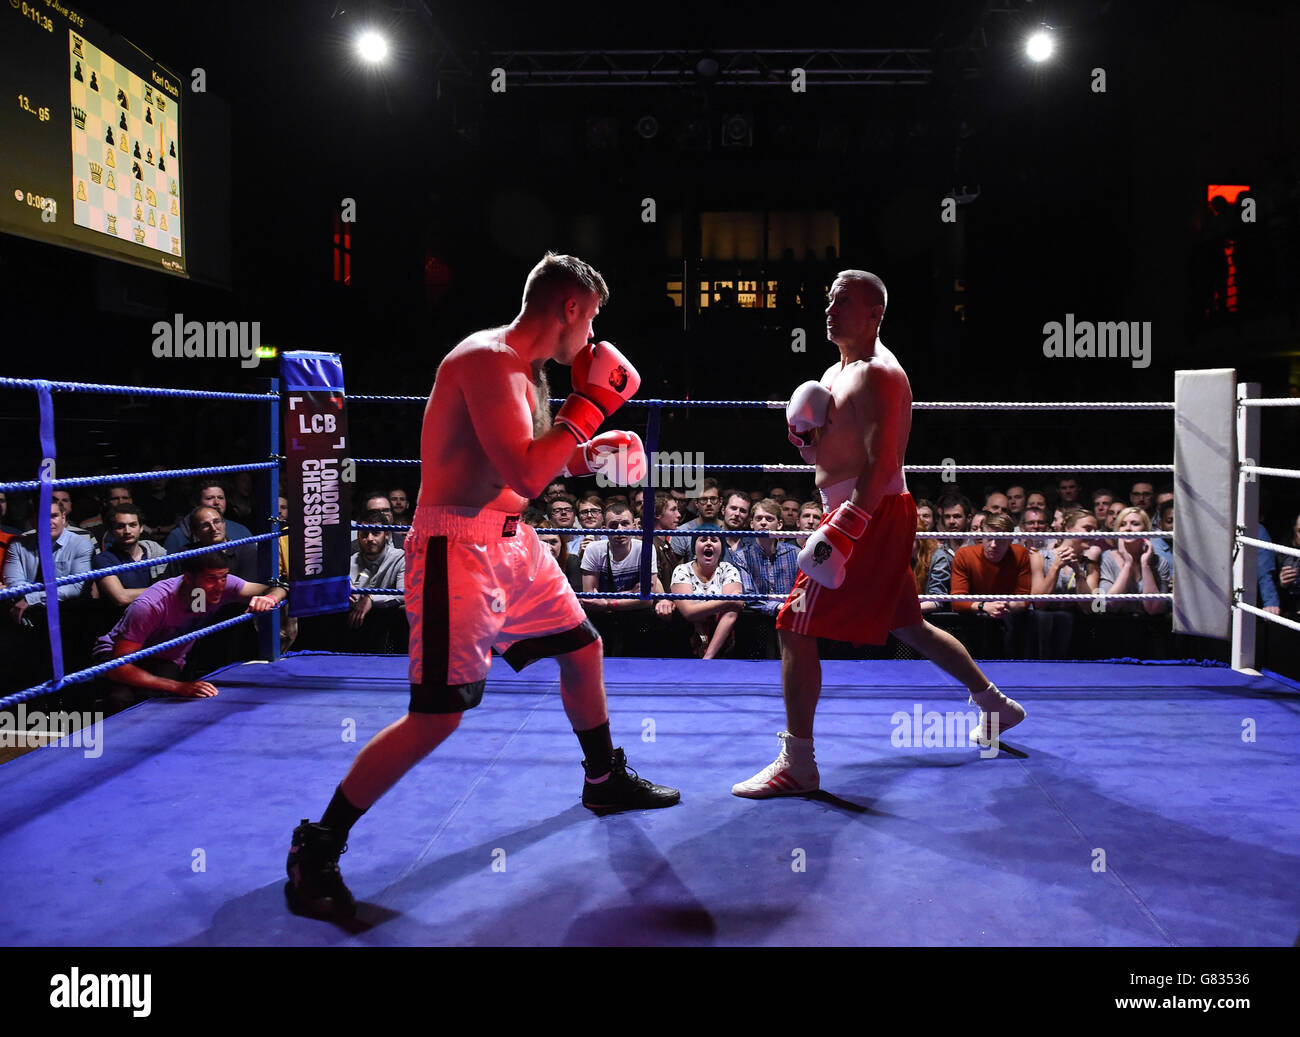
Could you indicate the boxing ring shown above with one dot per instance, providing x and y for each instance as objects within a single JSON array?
[{"x": 1141, "y": 804}]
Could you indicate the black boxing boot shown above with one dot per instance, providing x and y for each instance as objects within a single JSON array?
[
  {"x": 315, "y": 887},
  {"x": 621, "y": 789}
]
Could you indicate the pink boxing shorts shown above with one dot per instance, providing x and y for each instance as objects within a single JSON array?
[
  {"x": 478, "y": 581},
  {"x": 878, "y": 593}
]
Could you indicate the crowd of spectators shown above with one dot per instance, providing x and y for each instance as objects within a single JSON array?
[{"x": 1061, "y": 547}]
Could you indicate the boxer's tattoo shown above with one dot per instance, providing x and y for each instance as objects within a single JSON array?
[{"x": 541, "y": 405}]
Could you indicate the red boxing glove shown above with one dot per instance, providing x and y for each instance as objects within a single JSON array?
[
  {"x": 826, "y": 554},
  {"x": 617, "y": 456},
  {"x": 603, "y": 380}
]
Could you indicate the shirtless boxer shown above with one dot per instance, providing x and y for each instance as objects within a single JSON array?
[
  {"x": 855, "y": 582},
  {"x": 476, "y": 578}
]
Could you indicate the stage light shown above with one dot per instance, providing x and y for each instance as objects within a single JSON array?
[
  {"x": 372, "y": 46},
  {"x": 1040, "y": 45}
]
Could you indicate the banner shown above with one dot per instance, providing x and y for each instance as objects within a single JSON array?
[{"x": 316, "y": 447}]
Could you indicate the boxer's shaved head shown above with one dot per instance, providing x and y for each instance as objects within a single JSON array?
[
  {"x": 871, "y": 286},
  {"x": 558, "y": 278}
]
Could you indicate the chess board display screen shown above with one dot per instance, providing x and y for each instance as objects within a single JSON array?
[{"x": 91, "y": 128}]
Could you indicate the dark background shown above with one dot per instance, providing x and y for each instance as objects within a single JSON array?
[{"x": 1088, "y": 203}]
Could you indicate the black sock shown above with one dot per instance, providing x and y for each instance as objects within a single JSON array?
[
  {"x": 598, "y": 750},
  {"x": 340, "y": 815}
]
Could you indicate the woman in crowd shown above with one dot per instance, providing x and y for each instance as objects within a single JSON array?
[
  {"x": 714, "y": 621},
  {"x": 570, "y": 564},
  {"x": 1133, "y": 567}
]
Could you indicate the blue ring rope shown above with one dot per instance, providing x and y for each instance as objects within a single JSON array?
[
  {"x": 93, "y": 389},
  {"x": 129, "y": 477}
]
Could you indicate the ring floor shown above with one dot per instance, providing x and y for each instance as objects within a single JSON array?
[{"x": 1138, "y": 805}]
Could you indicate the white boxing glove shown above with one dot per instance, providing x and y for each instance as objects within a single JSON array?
[{"x": 806, "y": 412}]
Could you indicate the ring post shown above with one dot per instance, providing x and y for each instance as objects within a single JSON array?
[
  {"x": 1245, "y": 564},
  {"x": 44, "y": 543},
  {"x": 266, "y": 496}
]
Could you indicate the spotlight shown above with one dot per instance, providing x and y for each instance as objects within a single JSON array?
[
  {"x": 1040, "y": 45},
  {"x": 372, "y": 47}
]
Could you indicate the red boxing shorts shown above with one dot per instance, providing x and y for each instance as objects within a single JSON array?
[
  {"x": 878, "y": 593},
  {"x": 475, "y": 581}
]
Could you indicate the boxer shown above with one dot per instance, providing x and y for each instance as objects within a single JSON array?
[
  {"x": 479, "y": 579},
  {"x": 855, "y": 582}
]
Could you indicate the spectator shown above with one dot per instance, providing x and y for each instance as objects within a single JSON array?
[
  {"x": 715, "y": 620},
  {"x": 8, "y": 534},
  {"x": 1058, "y": 519},
  {"x": 64, "y": 500},
  {"x": 810, "y": 517},
  {"x": 977, "y": 521},
  {"x": 1074, "y": 565},
  {"x": 113, "y": 496},
  {"x": 1067, "y": 491},
  {"x": 996, "y": 504},
  {"x": 776, "y": 493},
  {"x": 23, "y": 560},
  {"x": 735, "y": 517},
  {"x": 209, "y": 527},
  {"x": 955, "y": 513},
  {"x": 755, "y": 496},
  {"x": 612, "y": 565},
  {"x": 924, "y": 551},
  {"x": 1163, "y": 546},
  {"x": 1101, "y": 502},
  {"x": 1113, "y": 511},
  {"x": 924, "y": 516},
  {"x": 570, "y": 565},
  {"x": 376, "y": 622},
  {"x": 209, "y": 494},
  {"x": 997, "y": 566},
  {"x": 288, "y": 624},
  {"x": 1016, "y": 502},
  {"x": 555, "y": 488},
  {"x": 127, "y": 545},
  {"x": 707, "y": 506},
  {"x": 378, "y": 504},
  {"x": 1142, "y": 495},
  {"x": 1288, "y": 576},
  {"x": 162, "y": 506},
  {"x": 239, "y": 501},
  {"x": 1265, "y": 575},
  {"x": 166, "y": 611},
  {"x": 667, "y": 517},
  {"x": 789, "y": 513},
  {"x": 591, "y": 513},
  {"x": 562, "y": 511},
  {"x": 401, "y": 505},
  {"x": 1134, "y": 567},
  {"x": 1054, "y": 624},
  {"x": 5, "y": 527},
  {"x": 766, "y": 564},
  {"x": 1037, "y": 499},
  {"x": 1166, "y": 493}
]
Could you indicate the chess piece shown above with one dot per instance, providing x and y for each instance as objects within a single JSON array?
[
  {"x": 108, "y": 135},
  {"x": 162, "y": 167},
  {"x": 148, "y": 95},
  {"x": 162, "y": 103},
  {"x": 112, "y": 184},
  {"x": 110, "y": 160},
  {"x": 148, "y": 116},
  {"x": 76, "y": 46},
  {"x": 151, "y": 220},
  {"x": 175, "y": 211},
  {"x": 122, "y": 121},
  {"x": 150, "y": 197},
  {"x": 94, "y": 82},
  {"x": 112, "y": 224},
  {"x": 139, "y": 235},
  {"x": 79, "y": 118},
  {"x": 121, "y": 99},
  {"x": 137, "y": 149},
  {"x": 162, "y": 221},
  {"x": 76, "y": 74},
  {"x": 172, "y": 149},
  {"x": 176, "y": 246},
  {"x": 135, "y": 170},
  {"x": 139, "y": 215},
  {"x": 81, "y": 190},
  {"x": 138, "y": 198},
  {"x": 149, "y": 157},
  {"x": 171, "y": 188}
]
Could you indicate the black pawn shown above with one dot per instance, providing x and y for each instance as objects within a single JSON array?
[
  {"x": 148, "y": 116},
  {"x": 94, "y": 83},
  {"x": 108, "y": 136},
  {"x": 172, "y": 149},
  {"x": 76, "y": 74},
  {"x": 121, "y": 122},
  {"x": 161, "y": 168},
  {"x": 137, "y": 149}
]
